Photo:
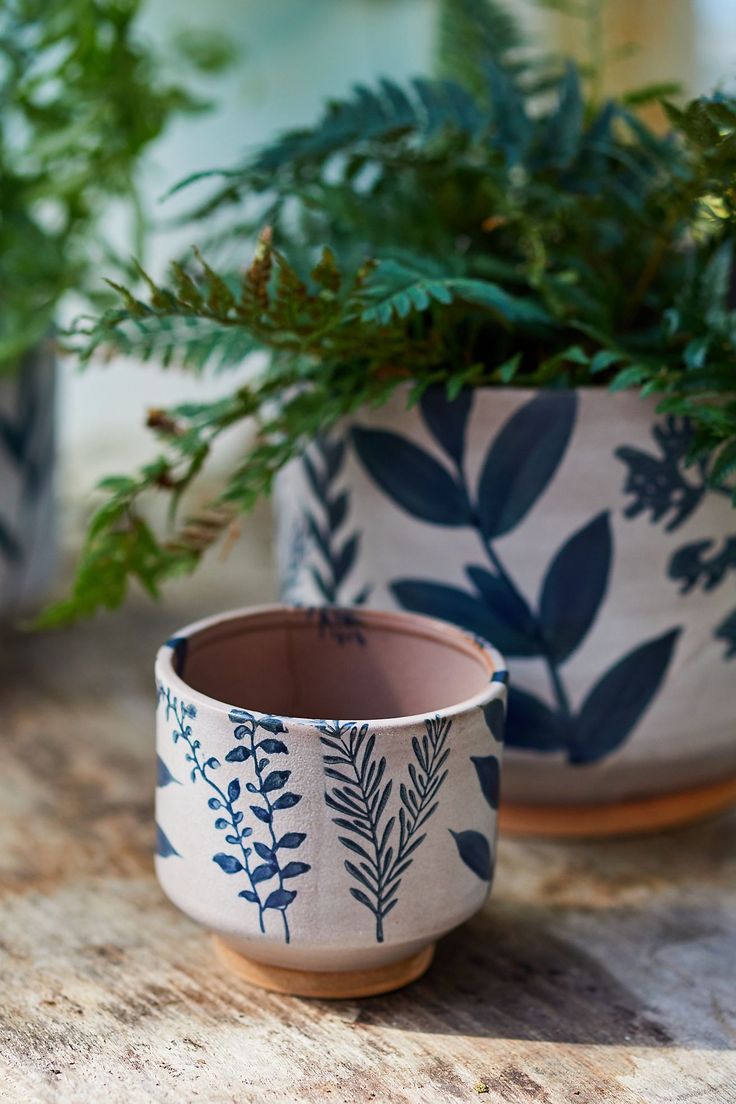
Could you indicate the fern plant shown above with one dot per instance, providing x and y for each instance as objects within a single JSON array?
[{"x": 502, "y": 225}]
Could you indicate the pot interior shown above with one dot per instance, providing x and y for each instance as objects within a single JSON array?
[{"x": 335, "y": 664}]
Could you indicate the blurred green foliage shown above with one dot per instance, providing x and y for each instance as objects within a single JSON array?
[{"x": 81, "y": 98}]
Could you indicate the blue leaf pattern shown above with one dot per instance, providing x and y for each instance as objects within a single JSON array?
[
  {"x": 248, "y": 729},
  {"x": 359, "y": 795},
  {"x": 475, "y": 851},
  {"x": 669, "y": 488},
  {"x": 412, "y": 478},
  {"x": 337, "y": 552},
  {"x": 488, "y": 770},
  {"x": 164, "y": 846},
  {"x": 574, "y": 588},
  {"x": 523, "y": 459},
  {"x": 447, "y": 420},
  {"x": 617, "y": 701},
  {"x": 519, "y": 465},
  {"x": 164, "y": 777}
]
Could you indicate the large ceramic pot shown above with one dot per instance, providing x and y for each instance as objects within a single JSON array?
[
  {"x": 564, "y": 527},
  {"x": 27, "y": 547}
]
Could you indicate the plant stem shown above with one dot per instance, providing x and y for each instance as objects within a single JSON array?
[
  {"x": 264, "y": 796},
  {"x": 560, "y": 693},
  {"x": 172, "y": 707}
]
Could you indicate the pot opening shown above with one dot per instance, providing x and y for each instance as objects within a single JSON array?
[{"x": 332, "y": 663}]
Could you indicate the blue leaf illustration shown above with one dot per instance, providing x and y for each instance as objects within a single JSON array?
[
  {"x": 280, "y": 899},
  {"x": 317, "y": 481},
  {"x": 337, "y": 510},
  {"x": 446, "y": 420},
  {"x": 228, "y": 863},
  {"x": 271, "y": 724},
  {"x": 286, "y": 801},
  {"x": 452, "y": 604},
  {"x": 237, "y": 716},
  {"x": 291, "y": 839},
  {"x": 274, "y": 747},
  {"x": 412, "y": 478},
  {"x": 574, "y": 588},
  {"x": 238, "y": 754},
  {"x": 262, "y": 873},
  {"x": 620, "y": 698},
  {"x": 495, "y": 717},
  {"x": 345, "y": 558},
  {"x": 509, "y": 607},
  {"x": 489, "y": 777},
  {"x": 164, "y": 846},
  {"x": 333, "y": 453},
  {"x": 726, "y": 631},
  {"x": 246, "y": 727},
  {"x": 164, "y": 777},
  {"x": 293, "y": 869},
  {"x": 360, "y": 896},
  {"x": 533, "y": 726},
  {"x": 475, "y": 851},
  {"x": 523, "y": 459},
  {"x": 276, "y": 780}
]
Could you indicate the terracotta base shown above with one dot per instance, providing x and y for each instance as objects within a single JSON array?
[
  {"x": 622, "y": 818},
  {"x": 333, "y": 985}
]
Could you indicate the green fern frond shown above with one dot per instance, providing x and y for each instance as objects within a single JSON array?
[
  {"x": 197, "y": 343},
  {"x": 469, "y": 33},
  {"x": 396, "y": 290}
]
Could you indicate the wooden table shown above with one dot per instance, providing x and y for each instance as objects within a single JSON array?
[{"x": 597, "y": 973}]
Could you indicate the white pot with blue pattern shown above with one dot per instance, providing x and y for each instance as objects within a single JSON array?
[
  {"x": 565, "y": 527},
  {"x": 27, "y": 518},
  {"x": 327, "y": 790}
]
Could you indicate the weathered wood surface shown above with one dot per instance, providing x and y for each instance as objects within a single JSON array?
[{"x": 598, "y": 973}]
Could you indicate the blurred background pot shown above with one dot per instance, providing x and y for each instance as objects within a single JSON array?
[
  {"x": 27, "y": 518},
  {"x": 564, "y": 527}
]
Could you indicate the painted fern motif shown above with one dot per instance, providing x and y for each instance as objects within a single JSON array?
[
  {"x": 361, "y": 802},
  {"x": 338, "y": 554}
]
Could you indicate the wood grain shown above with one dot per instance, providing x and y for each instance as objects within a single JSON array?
[{"x": 599, "y": 972}]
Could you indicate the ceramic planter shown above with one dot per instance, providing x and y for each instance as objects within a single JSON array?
[
  {"x": 327, "y": 855},
  {"x": 564, "y": 527},
  {"x": 27, "y": 546}
]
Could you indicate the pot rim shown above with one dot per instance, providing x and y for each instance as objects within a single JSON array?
[{"x": 394, "y": 620}]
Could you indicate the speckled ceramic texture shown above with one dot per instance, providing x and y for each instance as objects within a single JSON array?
[
  {"x": 27, "y": 516},
  {"x": 328, "y": 781},
  {"x": 565, "y": 527}
]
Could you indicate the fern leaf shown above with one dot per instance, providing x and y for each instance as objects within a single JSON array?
[
  {"x": 470, "y": 32},
  {"x": 397, "y": 291}
]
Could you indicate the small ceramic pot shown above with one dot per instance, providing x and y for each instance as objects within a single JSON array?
[
  {"x": 566, "y": 527},
  {"x": 327, "y": 790},
  {"x": 27, "y": 515}
]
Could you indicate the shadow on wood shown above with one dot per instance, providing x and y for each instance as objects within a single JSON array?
[{"x": 506, "y": 975}]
